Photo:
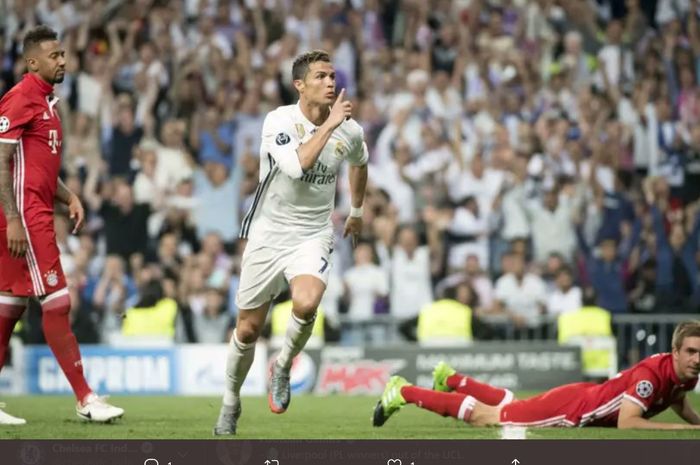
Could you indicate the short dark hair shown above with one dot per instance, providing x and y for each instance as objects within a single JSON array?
[
  {"x": 38, "y": 35},
  {"x": 684, "y": 330},
  {"x": 303, "y": 61}
]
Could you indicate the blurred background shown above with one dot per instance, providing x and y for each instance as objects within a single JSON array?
[{"x": 534, "y": 169}]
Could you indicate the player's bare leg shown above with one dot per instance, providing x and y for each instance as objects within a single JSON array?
[
  {"x": 11, "y": 309},
  {"x": 241, "y": 353},
  {"x": 307, "y": 292}
]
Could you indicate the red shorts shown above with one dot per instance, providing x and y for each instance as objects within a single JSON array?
[
  {"x": 561, "y": 406},
  {"x": 39, "y": 272}
]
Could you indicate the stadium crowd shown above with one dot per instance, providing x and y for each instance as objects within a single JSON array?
[{"x": 523, "y": 154}]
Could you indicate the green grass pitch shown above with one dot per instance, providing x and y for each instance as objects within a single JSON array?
[{"x": 332, "y": 417}]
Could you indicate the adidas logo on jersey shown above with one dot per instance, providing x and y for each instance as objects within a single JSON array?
[{"x": 46, "y": 116}]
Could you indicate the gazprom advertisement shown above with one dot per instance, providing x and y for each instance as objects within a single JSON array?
[
  {"x": 112, "y": 370},
  {"x": 187, "y": 369}
]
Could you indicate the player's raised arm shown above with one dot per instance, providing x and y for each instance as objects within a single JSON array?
[
  {"x": 16, "y": 235},
  {"x": 309, "y": 151},
  {"x": 630, "y": 417}
]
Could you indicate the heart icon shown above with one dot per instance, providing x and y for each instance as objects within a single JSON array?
[{"x": 393, "y": 462}]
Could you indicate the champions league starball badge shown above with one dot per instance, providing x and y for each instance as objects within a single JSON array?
[
  {"x": 644, "y": 389},
  {"x": 4, "y": 124},
  {"x": 282, "y": 138}
]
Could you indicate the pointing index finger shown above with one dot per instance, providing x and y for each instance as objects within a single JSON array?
[{"x": 341, "y": 95}]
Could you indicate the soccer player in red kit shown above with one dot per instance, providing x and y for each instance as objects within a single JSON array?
[
  {"x": 30, "y": 159},
  {"x": 626, "y": 401}
]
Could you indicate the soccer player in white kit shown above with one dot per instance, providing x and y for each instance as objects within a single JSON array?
[{"x": 288, "y": 226}]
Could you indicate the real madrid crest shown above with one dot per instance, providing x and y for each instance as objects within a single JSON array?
[{"x": 339, "y": 149}]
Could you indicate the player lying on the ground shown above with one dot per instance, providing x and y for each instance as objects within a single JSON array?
[{"x": 626, "y": 401}]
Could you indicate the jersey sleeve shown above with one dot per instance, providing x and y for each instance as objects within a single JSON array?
[
  {"x": 15, "y": 113},
  {"x": 280, "y": 140},
  {"x": 643, "y": 388},
  {"x": 359, "y": 155}
]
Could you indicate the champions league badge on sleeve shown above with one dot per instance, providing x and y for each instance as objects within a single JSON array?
[
  {"x": 4, "y": 123},
  {"x": 644, "y": 389},
  {"x": 282, "y": 138}
]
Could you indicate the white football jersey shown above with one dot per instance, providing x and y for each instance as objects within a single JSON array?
[{"x": 288, "y": 199}]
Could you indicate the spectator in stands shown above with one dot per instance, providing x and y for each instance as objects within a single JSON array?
[
  {"x": 605, "y": 269},
  {"x": 212, "y": 324},
  {"x": 677, "y": 269},
  {"x": 177, "y": 216},
  {"x": 478, "y": 280},
  {"x": 590, "y": 327},
  {"x": 567, "y": 297},
  {"x": 555, "y": 262},
  {"x": 125, "y": 222},
  {"x": 643, "y": 296},
  {"x": 153, "y": 316},
  {"x": 169, "y": 254},
  {"x": 82, "y": 150},
  {"x": 215, "y": 141},
  {"x": 551, "y": 224},
  {"x": 109, "y": 294},
  {"x": 447, "y": 321},
  {"x": 366, "y": 285},
  {"x": 216, "y": 191},
  {"x": 149, "y": 188},
  {"x": 124, "y": 138},
  {"x": 467, "y": 233},
  {"x": 520, "y": 295},
  {"x": 410, "y": 279}
]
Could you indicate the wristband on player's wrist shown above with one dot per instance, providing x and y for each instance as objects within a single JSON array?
[{"x": 356, "y": 212}]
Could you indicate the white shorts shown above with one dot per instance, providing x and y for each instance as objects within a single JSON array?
[{"x": 266, "y": 268}]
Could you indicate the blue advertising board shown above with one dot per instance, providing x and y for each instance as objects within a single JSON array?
[{"x": 118, "y": 371}]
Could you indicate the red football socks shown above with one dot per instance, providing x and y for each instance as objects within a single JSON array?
[
  {"x": 484, "y": 393},
  {"x": 11, "y": 309},
  {"x": 60, "y": 338},
  {"x": 451, "y": 404}
]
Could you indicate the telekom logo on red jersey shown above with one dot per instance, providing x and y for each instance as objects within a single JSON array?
[
  {"x": 356, "y": 377},
  {"x": 54, "y": 143}
]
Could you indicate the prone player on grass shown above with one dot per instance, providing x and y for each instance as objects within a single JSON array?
[{"x": 627, "y": 401}]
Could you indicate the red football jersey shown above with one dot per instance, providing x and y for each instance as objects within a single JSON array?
[
  {"x": 29, "y": 118},
  {"x": 652, "y": 384}
]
